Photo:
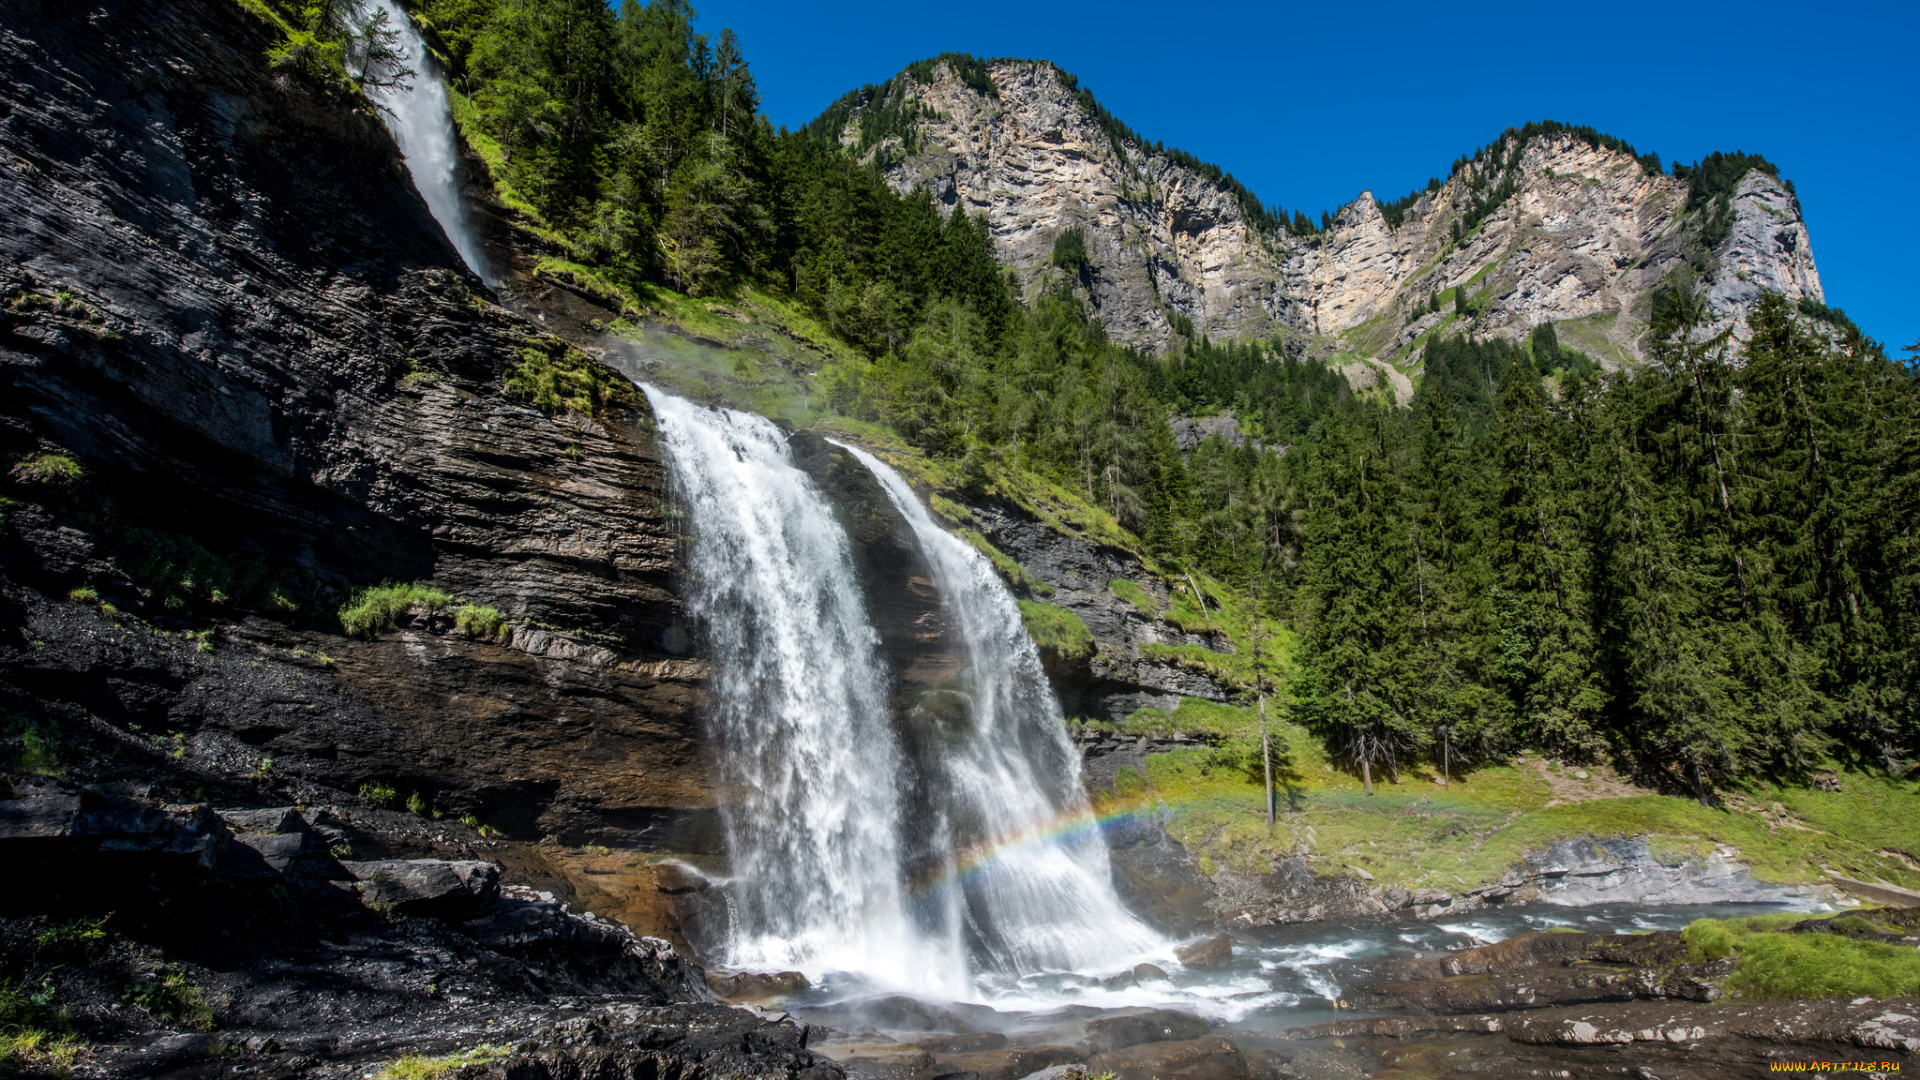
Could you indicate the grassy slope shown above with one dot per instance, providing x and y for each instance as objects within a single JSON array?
[{"x": 1420, "y": 834}]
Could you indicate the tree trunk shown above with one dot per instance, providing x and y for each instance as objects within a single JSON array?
[
  {"x": 1266, "y": 761},
  {"x": 1446, "y": 756},
  {"x": 1699, "y": 786},
  {"x": 1366, "y": 774}
]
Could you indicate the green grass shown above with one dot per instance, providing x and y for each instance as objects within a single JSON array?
[
  {"x": 372, "y": 611},
  {"x": 1057, "y": 630},
  {"x": 481, "y": 621},
  {"x": 1420, "y": 834},
  {"x": 1133, "y": 594},
  {"x": 46, "y": 469},
  {"x": 1771, "y": 964},
  {"x": 170, "y": 998},
  {"x": 557, "y": 378},
  {"x": 420, "y": 1067},
  {"x": 379, "y": 794}
]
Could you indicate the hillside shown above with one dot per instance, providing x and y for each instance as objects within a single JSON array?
[{"x": 1585, "y": 236}]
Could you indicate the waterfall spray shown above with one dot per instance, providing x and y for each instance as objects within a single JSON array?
[{"x": 421, "y": 123}]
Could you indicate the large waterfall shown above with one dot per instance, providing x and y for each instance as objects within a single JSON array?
[
  {"x": 417, "y": 116},
  {"x": 808, "y": 762},
  {"x": 947, "y": 851}
]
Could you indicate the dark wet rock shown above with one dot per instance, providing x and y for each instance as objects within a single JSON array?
[
  {"x": 963, "y": 1044},
  {"x": 1119, "y": 678},
  {"x": 1058, "y": 1072},
  {"x": 757, "y": 986},
  {"x": 426, "y": 886},
  {"x": 917, "y": 639},
  {"x": 1193, "y": 1059},
  {"x": 636, "y": 1043},
  {"x": 1132, "y": 1029},
  {"x": 1215, "y": 951},
  {"x": 1157, "y": 877},
  {"x": 1537, "y": 970},
  {"x": 1148, "y": 972},
  {"x": 899, "y": 1013}
]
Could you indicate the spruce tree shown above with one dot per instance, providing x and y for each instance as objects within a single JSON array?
[
  {"x": 1537, "y": 547},
  {"x": 1356, "y": 683}
]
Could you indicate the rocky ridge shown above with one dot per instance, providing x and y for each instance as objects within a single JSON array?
[{"x": 1586, "y": 239}]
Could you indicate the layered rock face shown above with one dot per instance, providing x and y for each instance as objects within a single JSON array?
[
  {"x": 1586, "y": 238},
  {"x": 227, "y": 303}
]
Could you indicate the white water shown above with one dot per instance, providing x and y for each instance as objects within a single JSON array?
[
  {"x": 808, "y": 757},
  {"x": 1035, "y": 886},
  {"x": 949, "y": 852},
  {"x": 420, "y": 122}
]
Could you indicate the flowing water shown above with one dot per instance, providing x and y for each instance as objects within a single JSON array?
[
  {"x": 807, "y": 757},
  {"x": 1025, "y": 867},
  {"x": 418, "y": 117},
  {"x": 942, "y": 847}
]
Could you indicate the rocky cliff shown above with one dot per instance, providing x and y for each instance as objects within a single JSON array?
[
  {"x": 1585, "y": 238},
  {"x": 244, "y": 374}
]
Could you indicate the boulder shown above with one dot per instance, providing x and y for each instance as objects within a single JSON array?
[
  {"x": 426, "y": 886},
  {"x": 109, "y": 819},
  {"x": 1190, "y": 1059},
  {"x": 1207, "y": 953},
  {"x": 1149, "y": 972},
  {"x": 760, "y": 987},
  {"x": 1155, "y": 1025}
]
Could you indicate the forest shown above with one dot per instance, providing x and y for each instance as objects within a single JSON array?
[{"x": 1706, "y": 567}]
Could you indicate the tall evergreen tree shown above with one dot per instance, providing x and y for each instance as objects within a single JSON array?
[{"x": 1537, "y": 547}]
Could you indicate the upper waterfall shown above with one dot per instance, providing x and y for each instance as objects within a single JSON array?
[{"x": 418, "y": 117}]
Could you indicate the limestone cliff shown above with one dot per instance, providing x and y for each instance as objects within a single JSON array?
[{"x": 1585, "y": 238}]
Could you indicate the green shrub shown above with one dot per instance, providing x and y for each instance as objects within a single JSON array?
[
  {"x": 480, "y": 621},
  {"x": 379, "y": 794},
  {"x": 417, "y": 803},
  {"x": 372, "y": 611},
  {"x": 1057, "y": 631},
  {"x": 47, "y": 469}
]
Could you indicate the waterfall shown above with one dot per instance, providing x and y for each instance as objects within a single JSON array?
[
  {"x": 945, "y": 849},
  {"x": 1034, "y": 875},
  {"x": 420, "y": 122},
  {"x": 807, "y": 757}
]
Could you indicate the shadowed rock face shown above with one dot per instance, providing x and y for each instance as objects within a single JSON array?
[
  {"x": 918, "y": 640},
  {"x": 250, "y": 333}
]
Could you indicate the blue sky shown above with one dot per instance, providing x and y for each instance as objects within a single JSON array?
[{"x": 1310, "y": 104}]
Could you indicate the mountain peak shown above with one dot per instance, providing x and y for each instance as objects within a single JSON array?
[{"x": 1547, "y": 222}]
